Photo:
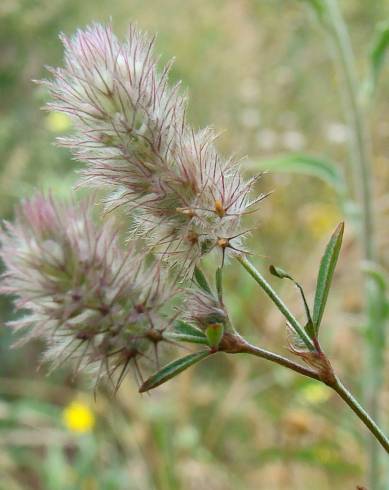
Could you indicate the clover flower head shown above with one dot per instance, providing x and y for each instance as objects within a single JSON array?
[
  {"x": 87, "y": 297},
  {"x": 199, "y": 208},
  {"x": 131, "y": 130},
  {"x": 125, "y": 114}
]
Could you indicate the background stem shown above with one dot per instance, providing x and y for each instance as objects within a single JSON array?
[
  {"x": 360, "y": 160},
  {"x": 358, "y": 145}
]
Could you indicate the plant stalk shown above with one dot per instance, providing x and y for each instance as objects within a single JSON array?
[
  {"x": 294, "y": 323},
  {"x": 361, "y": 160},
  {"x": 334, "y": 383},
  {"x": 362, "y": 414},
  {"x": 359, "y": 146},
  {"x": 248, "y": 348}
]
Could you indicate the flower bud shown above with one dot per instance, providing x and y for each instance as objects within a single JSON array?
[
  {"x": 214, "y": 333},
  {"x": 204, "y": 310}
]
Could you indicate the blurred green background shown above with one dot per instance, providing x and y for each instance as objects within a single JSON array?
[{"x": 260, "y": 71}]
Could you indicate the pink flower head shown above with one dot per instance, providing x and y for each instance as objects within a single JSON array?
[
  {"x": 131, "y": 130},
  {"x": 86, "y": 296}
]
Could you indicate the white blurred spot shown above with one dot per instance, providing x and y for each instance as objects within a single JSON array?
[
  {"x": 266, "y": 139},
  {"x": 337, "y": 132},
  {"x": 250, "y": 118},
  {"x": 293, "y": 140},
  {"x": 249, "y": 90}
]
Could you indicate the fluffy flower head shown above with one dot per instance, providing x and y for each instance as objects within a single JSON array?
[
  {"x": 86, "y": 296},
  {"x": 131, "y": 130}
]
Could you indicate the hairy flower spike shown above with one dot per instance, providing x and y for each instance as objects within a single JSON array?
[
  {"x": 132, "y": 132},
  {"x": 87, "y": 298}
]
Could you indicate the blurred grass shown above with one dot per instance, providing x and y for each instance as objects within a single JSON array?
[{"x": 261, "y": 72}]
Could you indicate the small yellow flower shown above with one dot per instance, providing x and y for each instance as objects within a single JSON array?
[
  {"x": 57, "y": 122},
  {"x": 78, "y": 417}
]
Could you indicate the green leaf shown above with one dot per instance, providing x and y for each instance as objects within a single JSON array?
[
  {"x": 172, "y": 369},
  {"x": 219, "y": 283},
  {"x": 191, "y": 339},
  {"x": 326, "y": 272},
  {"x": 310, "y": 329},
  {"x": 379, "y": 45},
  {"x": 184, "y": 328},
  {"x": 201, "y": 281},
  {"x": 280, "y": 273},
  {"x": 185, "y": 332},
  {"x": 305, "y": 165}
]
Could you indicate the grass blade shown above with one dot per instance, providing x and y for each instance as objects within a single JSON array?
[
  {"x": 378, "y": 49},
  {"x": 185, "y": 332},
  {"x": 303, "y": 164}
]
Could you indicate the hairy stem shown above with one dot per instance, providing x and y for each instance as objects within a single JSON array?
[
  {"x": 335, "y": 384},
  {"x": 248, "y": 348},
  {"x": 267, "y": 288}
]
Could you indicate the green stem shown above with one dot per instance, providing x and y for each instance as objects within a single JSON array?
[
  {"x": 336, "y": 385},
  {"x": 294, "y": 323},
  {"x": 248, "y": 348},
  {"x": 361, "y": 160},
  {"x": 362, "y": 414}
]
